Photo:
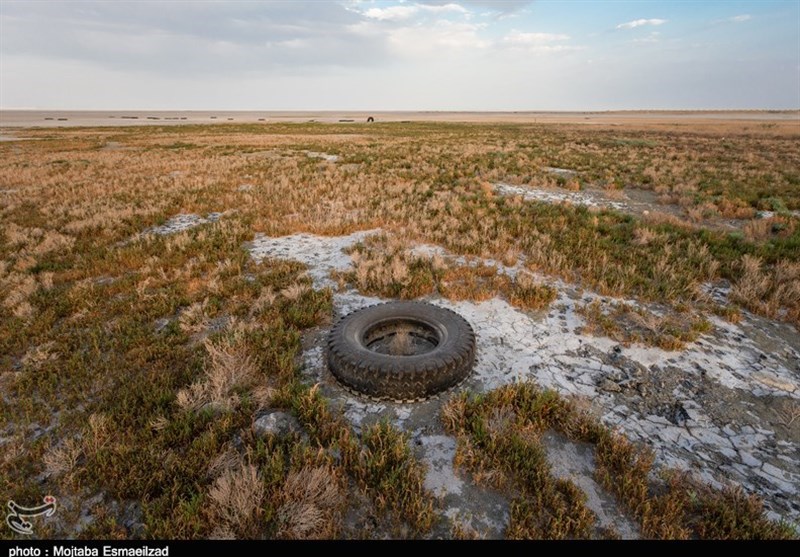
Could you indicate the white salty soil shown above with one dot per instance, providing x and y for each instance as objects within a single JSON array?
[
  {"x": 712, "y": 408},
  {"x": 324, "y": 156},
  {"x": 559, "y": 196},
  {"x": 182, "y": 222}
]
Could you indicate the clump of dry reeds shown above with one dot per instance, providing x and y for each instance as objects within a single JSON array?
[{"x": 230, "y": 369}]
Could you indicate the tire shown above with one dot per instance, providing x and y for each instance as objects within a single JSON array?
[{"x": 359, "y": 366}]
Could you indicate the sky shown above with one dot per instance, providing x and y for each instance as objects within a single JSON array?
[{"x": 472, "y": 55}]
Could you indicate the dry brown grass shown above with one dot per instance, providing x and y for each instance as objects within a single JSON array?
[
  {"x": 789, "y": 412},
  {"x": 63, "y": 460},
  {"x": 226, "y": 459},
  {"x": 236, "y": 499},
  {"x": 81, "y": 283},
  {"x": 526, "y": 293},
  {"x": 195, "y": 318},
  {"x": 381, "y": 462},
  {"x": 657, "y": 218},
  {"x": 386, "y": 265},
  {"x": 400, "y": 345},
  {"x": 230, "y": 369},
  {"x": 37, "y": 356},
  {"x": 774, "y": 292},
  {"x": 628, "y": 324},
  {"x": 98, "y": 434},
  {"x": 311, "y": 504},
  {"x": 477, "y": 283},
  {"x": 294, "y": 291},
  {"x": 734, "y": 210},
  {"x": 644, "y": 236},
  {"x": 760, "y": 230},
  {"x": 498, "y": 442}
]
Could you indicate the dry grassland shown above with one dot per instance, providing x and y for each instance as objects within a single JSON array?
[{"x": 133, "y": 365}]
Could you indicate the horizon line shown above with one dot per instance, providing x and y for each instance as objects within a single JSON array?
[{"x": 364, "y": 110}]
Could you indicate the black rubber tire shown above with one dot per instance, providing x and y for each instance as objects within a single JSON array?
[{"x": 402, "y": 378}]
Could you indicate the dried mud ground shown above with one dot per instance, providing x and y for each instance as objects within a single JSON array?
[
  {"x": 710, "y": 408},
  {"x": 166, "y": 292}
]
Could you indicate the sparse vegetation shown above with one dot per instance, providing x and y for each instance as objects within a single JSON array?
[
  {"x": 386, "y": 266},
  {"x": 499, "y": 434},
  {"x": 130, "y": 361},
  {"x": 629, "y": 324}
]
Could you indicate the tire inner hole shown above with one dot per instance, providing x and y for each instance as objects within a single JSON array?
[{"x": 401, "y": 337}]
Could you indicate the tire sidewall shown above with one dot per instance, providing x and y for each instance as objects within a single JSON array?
[{"x": 385, "y": 376}]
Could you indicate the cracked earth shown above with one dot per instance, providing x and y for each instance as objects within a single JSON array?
[{"x": 723, "y": 408}]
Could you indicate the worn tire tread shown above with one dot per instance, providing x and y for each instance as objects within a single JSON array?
[{"x": 399, "y": 378}]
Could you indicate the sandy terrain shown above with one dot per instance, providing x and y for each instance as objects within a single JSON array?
[{"x": 54, "y": 118}]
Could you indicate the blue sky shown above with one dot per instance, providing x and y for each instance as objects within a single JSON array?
[{"x": 390, "y": 55}]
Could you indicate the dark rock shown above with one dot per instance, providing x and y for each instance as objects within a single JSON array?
[{"x": 675, "y": 413}]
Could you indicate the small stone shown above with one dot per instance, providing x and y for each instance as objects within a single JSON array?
[
  {"x": 278, "y": 424},
  {"x": 678, "y": 414}
]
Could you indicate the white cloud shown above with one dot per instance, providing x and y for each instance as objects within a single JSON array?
[
  {"x": 330, "y": 55},
  {"x": 640, "y": 22},
  {"x": 532, "y": 39},
  {"x": 443, "y": 8},
  {"x": 538, "y": 42},
  {"x": 734, "y": 19},
  {"x": 491, "y": 7},
  {"x": 210, "y": 39},
  {"x": 406, "y": 12},
  {"x": 392, "y": 13},
  {"x": 437, "y": 37}
]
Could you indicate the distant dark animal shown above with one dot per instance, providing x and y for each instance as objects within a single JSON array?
[{"x": 370, "y": 119}]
